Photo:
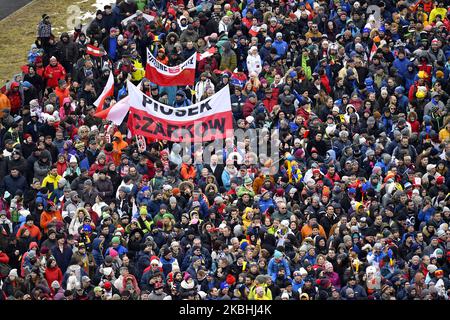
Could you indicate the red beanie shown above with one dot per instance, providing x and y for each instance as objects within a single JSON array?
[
  {"x": 230, "y": 279},
  {"x": 440, "y": 180},
  {"x": 107, "y": 285}
]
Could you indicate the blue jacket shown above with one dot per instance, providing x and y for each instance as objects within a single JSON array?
[
  {"x": 153, "y": 207},
  {"x": 167, "y": 265},
  {"x": 182, "y": 103},
  {"x": 425, "y": 216},
  {"x": 273, "y": 267},
  {"x": 281, "y": 46},
  {"x": 409, "y": 77},
  {"x": 297, "y": 285},
  {"x": 265, "y": 204},
  {"x": 203, "y": 207},
  {"x": 401, "y": 66},
  {"x": 62, "y": 258},
  {"x": 226, "y": 179},
  {"x": 97, "y": 252},
  {"x": 264, "y": 52},
  {"x": 121, "y": 250}
]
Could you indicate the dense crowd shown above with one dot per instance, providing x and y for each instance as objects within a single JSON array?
[{"x": 356, "y": 207}]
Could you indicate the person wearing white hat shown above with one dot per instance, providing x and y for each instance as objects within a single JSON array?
[
  {"x": 280, "y": 45},
  {"x": 254, "y": 63}
]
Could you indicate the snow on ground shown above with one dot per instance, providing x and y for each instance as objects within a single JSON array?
[{"x": 86, "y": 17}]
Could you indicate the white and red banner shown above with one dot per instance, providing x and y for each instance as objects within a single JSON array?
[
  {"x": 117, "y": 112},
  {"x": 206, "y": 54},
  {"x": 204, "y": 121},
  {"x": 373, "y": 50},
  {"x": 108, "y": 91},
  {"x": 94, "y": 51},
  {"x": 162, "y": 75}
]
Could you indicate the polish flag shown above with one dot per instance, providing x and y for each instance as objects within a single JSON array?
[
  {"x": 117, "y": 112},
  {"x": 162, "y": 75},
  {"x": 206, "y": 54},
  {"x": 108, "y": 91},
  {"x": 373, "y": 51},
  {"x": 94, "y": 51}
]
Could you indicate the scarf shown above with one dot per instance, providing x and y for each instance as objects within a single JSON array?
[{"x": 306, "y": 67}]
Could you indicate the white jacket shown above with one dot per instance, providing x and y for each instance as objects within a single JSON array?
[
  {"x": 201, "y": 87},
  {"x": 254, "y": 64}
]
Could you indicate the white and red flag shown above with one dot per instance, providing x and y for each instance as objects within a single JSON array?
[
  {"x": 108, "y": 91},
  {"x": 162, "y": 75},
  {"x": 95, "y": 51},
  {"x": 206, "y": 54},
  {"x": 373, "y": 51}
]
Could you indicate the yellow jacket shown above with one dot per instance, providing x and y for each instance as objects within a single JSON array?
[
  {"x": 139, "y": 72},
  {"x": 435, "y": 12},
  {"x": 51, "y": 180},
  {"x": 444, "y": 135},
  {"x": 266, "y": 296}
]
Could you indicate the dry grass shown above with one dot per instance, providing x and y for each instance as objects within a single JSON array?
[{"x": 18, "y": 31}]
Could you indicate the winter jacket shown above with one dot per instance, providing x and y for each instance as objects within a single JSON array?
[
  {"x": 360, "y": 293},
  {"x": 35, "y": 232},
  {"x": 402, "y": 66},
  {"x": 53, "y": 274},
  {"x": 54, "y": 73},
  {"x": 237, "y": 103},
  {"x": 118, "y": 146},
  {"x": 281, "y": 46},
  {"x": 47, "y": 219},
  {"x": 5, "y": 105},
  {"x": 51, "y": 182},
  {"x": 228, "y": 61},
  {"x": 62, "y": 258},
  {"x": 254, "y": 64},
  {"x": 41, "y": 169},
  {"x": 274, "y": 266},
  {"x": 12, "y": 184},
  {"x": 248, "y": 108},
  {"x": 187, "y": 171},
  {"x": 105, "y": 189},
  {"x": 67, "y": 51}
]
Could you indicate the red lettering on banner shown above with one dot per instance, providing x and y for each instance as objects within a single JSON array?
[{"x": 204, "y": 129}]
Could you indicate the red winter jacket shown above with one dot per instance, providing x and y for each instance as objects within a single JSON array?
[
  {"x": 271, "y": 102},
  {"x": 15, "y": 98},
  {"x": 61, "y": 167},
  {"x": 248, "y": 108},
  {"x": 53, "y": 74},
  {"x": 4, "y": 258},
  {"x": 52, "y": 274},
  {"x": 326, "y": 83}
]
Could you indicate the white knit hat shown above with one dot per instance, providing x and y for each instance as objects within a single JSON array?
[{"x": 13, "y": 273}]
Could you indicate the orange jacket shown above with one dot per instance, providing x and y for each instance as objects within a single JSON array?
[
  {"x": 34, "y": 231},
  {"x": 307, "y": 231},
  {"x": 47, "y": 218},
  {"x": 118, "y": 146},
  {"x": 259, "y": 182},
  {"x": 5, "y": 104},
  {"x": 187, "y": 171},
  {"x": 61, "y": 94}
]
